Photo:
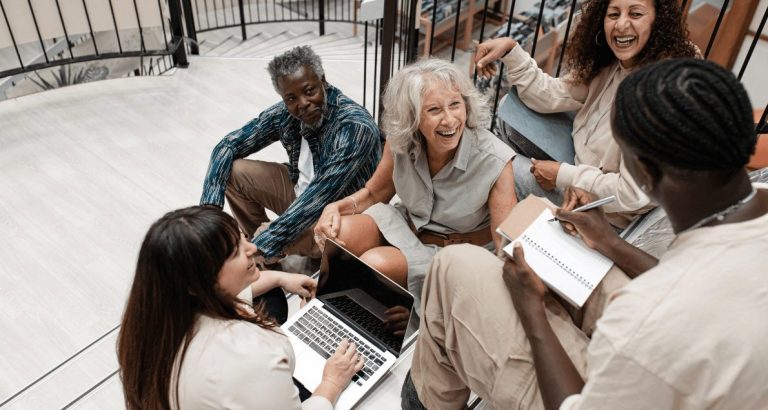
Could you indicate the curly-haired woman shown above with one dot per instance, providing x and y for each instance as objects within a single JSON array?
[{"x": 613, "y": 38}]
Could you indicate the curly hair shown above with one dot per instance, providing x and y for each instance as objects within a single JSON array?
[
  {"x": 403, "y": 97},
  {"x": 293, "y": 59},
  {"x": 585, "y": 58}
]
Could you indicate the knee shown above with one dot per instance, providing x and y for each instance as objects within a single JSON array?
[
  {"x": 359, "y": 232},
  {"x": 385, "y": 259},
  {"x": 237, "y": 172},
  {"x": 458, "y": 263}
]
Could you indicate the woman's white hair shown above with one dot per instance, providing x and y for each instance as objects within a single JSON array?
[{"x": 403, "y": 98}]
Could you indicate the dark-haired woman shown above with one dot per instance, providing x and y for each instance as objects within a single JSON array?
[
  {"x": 613, "y": 38},
  {"x": 190, "y": 339},
  {"x": 689, "y": 330}
]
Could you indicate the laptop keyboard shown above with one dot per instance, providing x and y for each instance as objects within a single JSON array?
[
  {"x": 323, "y": 334},
  {"x": 366, "y": 320}
]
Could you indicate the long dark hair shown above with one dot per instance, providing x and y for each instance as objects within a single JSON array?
[
  {"x": 585, "y": 57},
  {"x": 176, "y": 279}
]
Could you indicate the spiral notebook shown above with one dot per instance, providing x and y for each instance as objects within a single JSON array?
[{"x": 567, "y": 265}]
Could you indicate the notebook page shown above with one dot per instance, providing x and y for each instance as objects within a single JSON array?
[{"x": 562, "y": 261}]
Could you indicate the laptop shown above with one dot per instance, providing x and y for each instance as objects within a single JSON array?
[{"x": 353, "y": 301}]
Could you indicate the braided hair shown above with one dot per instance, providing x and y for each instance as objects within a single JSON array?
[{"x": 689, "y": 114}]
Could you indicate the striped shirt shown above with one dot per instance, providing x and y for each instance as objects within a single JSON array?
[{"x": 345, "y": 151}]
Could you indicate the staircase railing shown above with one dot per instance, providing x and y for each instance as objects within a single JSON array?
[
  {"x": 207, "y": 15},
  {"x": 89, "y": 30}
]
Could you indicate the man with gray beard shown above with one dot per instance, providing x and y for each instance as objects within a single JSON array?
[{"x": 333, "y": 146}]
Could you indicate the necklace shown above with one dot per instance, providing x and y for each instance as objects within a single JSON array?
[{"x": 720, "y": 215}]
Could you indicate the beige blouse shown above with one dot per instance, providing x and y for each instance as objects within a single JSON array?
[
  {"x": 456, "y": 198},
  {"x": 689, "y": 333},
  {"x": 599, "y": 167},
  {"x": 234, "y": 364}
]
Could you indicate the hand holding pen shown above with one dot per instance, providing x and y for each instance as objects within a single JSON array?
[
  {"x": 591, "y": 205},
  {"x": 592, "y": 227}
]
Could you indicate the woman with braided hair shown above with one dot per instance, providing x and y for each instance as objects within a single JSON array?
[
  {"x": 687, "y": 332},
  {"x": 613, "y": 38}
]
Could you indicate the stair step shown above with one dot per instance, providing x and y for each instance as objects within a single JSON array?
[
  {"x": 278, "y": 49},
  {"x": 239, "y": 50},
  {"x": 224, "y": 46},
  {"x": 253, "y": 48}
]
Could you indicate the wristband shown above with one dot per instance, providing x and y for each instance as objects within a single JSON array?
[{"x": 354, "y": 204}]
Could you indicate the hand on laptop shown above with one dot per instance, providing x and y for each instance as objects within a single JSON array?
[
  {"x": 339, "y": 369},
  {"x": 302, "y": 285}
]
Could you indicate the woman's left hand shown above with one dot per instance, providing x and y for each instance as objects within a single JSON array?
[
  {"x": 299, "y": 284},
  {"x": 545, "y": 173},
  {"x": 524, "y": 285}
]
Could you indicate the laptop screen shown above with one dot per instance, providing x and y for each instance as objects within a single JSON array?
[{"x": 365, "y": 299}]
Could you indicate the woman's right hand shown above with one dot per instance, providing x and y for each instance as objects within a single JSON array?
[
  {"x": 328, "y": 226},
  {"x": 592, "y": 226},
  {"x": 342, "y": 365},
  {"x": 490, "y": 51}
]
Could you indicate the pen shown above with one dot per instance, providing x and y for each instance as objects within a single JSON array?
[{"x": 591, "y": 205}]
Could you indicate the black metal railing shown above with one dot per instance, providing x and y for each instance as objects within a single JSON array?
[
  {"x": 101, "y": 32},
  {"x": 446, "y": 24},
  {"x": 207, "y": 15}
]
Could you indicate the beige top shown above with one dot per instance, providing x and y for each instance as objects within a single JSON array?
[
  {"x": 690, "y": 333},
  {"x": 456, "y": 198},
  {"x": 235, "y": 364},
  {"x": 599, "y": 165}
]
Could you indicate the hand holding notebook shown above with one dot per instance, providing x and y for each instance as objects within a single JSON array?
[{"x": 562, "y": 261}]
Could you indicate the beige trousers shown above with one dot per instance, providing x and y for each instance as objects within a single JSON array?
[
  {"x": 254, "y": 186},
  {"x": 471, "y": 337}
]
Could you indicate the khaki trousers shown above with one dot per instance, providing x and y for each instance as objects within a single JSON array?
[
  {"x": 470, "y": 336},
  {"x": 254, "y": 186}
]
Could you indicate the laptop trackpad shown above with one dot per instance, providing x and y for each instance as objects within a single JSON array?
[{"x": 309, "y": 369}]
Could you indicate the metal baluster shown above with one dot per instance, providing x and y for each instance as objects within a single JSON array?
[
  {"x": 717, "y": 28},
  {"x": 194, "y": 48},
  {"x": 37, "y": 29},
  {"x": 207, "y": 15},
  {"x": 321, "y": 20},
  {"x": 177, "y": 35},
  {"x": 401, "y": 21},
  {"x": 754, "y": 43},
  {"x": 480, "y": 39},
  {"x": 196, "y": 15},
  {"x": 250, "y": 15},
  {"x": 215, "y": 14},
  {"x": 536, "y": 33},
  {"x": 501, "y": 70},
  {"x": 365, "y": 59},
  {"x": 13, "y": 39},
  {"x": 682, "y": 6},
  {"x": 162, "y": 22},
  {"x": 375, "y": 65},
  {"x": 762, "y": 127},
  {"x": 232, "y": 10},
  {"x": 64, "y": 28},
  {"x": 565, "y": 39},
  {"x": 258, "y": 13},
  {"x": 413, "y": 35},
  {"x": 242, "y": 20},
  {"x": 117, "y": 31},
  {"x": 141, "y": 29},
  {"x": 90, "y": 28},
  {"x": 274, "y": 10},
  {"x": 432, "y": 31},
  {"x": 456, "y": 28}
]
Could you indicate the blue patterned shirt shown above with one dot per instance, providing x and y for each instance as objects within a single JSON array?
[{"x": 345, "y": 151}]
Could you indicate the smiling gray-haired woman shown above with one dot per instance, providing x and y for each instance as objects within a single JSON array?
[{"x": 453, "y": 177}]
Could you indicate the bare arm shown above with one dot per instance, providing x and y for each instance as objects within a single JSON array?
[
  {"x": 380, "y": 188},
  {"x": 501, "y": 200}
]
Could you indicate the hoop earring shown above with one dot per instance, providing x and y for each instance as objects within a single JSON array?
[{"x": 597, "y": 38}]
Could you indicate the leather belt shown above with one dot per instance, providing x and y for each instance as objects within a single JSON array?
[{"x": 480, "y": 237}]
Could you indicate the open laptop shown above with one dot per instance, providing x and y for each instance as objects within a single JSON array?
[{"x": 351, "y": 302}]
